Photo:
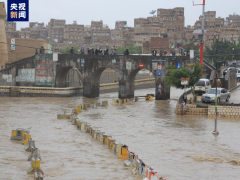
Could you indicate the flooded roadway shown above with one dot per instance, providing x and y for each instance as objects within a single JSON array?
[{"x": 177, "y": 147}]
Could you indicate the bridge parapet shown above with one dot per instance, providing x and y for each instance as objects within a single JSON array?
[{"x": 43, "y": 71}]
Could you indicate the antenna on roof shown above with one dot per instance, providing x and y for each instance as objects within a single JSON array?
[{"x": 152, "y": 12}]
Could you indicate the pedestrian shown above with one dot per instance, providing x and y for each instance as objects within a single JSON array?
[
  {"x": 36, "y": 52},
  {"x": 115, "y": 52},
  {"x": 107, "y": 52},
  {"x": 127, "y": 52},
  {"x": 111, "y": 51},
  {"x": 71, "y": 50},
  {"x": 42, "y": 50},
  {"x": 96, "y": 52},
  {"x": 184, "y": 106},
  {"x": 100, "y": 51},
  {"x": 92, "y": 51},
  {"x": 185, "y": 98},
  {"x": 161, "y": 52},
  {"x": 219, "y": 83},
  {"x": 154, "y": 52},
  {"x": 224, "y": 73},
  {"x": 82, "y": 51}
]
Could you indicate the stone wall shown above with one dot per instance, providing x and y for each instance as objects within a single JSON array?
[
  {"x": 25, "y": 48},
  {"x": 225, "y": 111},
  {"x": 191, "y": 110}
]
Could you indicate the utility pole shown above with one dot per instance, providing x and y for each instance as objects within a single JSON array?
[
  {"x": 216, "y": 99},
  {"x": 202, "y": 41}
]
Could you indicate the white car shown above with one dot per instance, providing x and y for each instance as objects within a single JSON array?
[
  {"x": 238, "y": 75},
  {"x": 222, "y": 95},
  {"x": 202, "y": 86}
]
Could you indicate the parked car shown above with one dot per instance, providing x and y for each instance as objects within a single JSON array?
[
  {"x": 238, "y": 75},
  {"x": 202, "y": 86},
  {"x": 222, "y": 95}
]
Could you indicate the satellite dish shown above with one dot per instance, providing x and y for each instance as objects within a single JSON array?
[{"x": 153, "y": 11}]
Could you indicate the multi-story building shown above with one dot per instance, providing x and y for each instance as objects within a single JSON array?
[
  {"x": 168, "y": 21},
  {"x": 56, "y": 30},
  {"x": 10, "y": 28}
]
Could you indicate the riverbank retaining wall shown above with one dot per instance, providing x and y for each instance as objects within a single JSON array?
[
  {"x": 27, "y": 91},
  {"x": 225, "y": 111},
  {"x": 191, "y": 110}
]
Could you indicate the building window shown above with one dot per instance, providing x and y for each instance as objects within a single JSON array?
[
  {"x": 52, "y": 35},
  {"x": 137, "y": 25},
  {"x": 107, "y": 34},
  {"x": 27, "y": 36},
  {"x": 80, "y": 32},
  {"x": 99, "y": 34},
  {"x": 22, "y": 36},
  {"x": 56, "y": 35},
  {"x": 94, "y": 34},
  {"x": 117, "y": 36},
  {"x": 103, "y": 34}
]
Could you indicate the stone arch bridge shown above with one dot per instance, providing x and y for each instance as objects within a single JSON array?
[{"x": 42, "y": 70}]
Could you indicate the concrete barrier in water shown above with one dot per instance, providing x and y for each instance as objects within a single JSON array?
[
  {"x": 111, "y": 142},
  {"x": 139, "y": 167},
  {"x": 79, "y": 109},
  {"x": 64, "y": 116},
  {"x": 88, "y": 128},
  {"x": 124, "y": 152},
  {"x": 83, "y": 123},
  {"x": 38, "y": 176},
  {"x": 149, "y": 98},
  {"x": 18, "y": 134},
  {"x": 91, "y": 130},
  {"x": 74, "y": 121},
  {"x": 35, "y": 166},
  {"x": 74, "y": 111},
  {"x": 151, "y": 174},
  {"x": 35, "y": 153},
  {"x": 136, "y": 98},
  {"x": 25, "y": 140},
  {"x": 105, "y": 139},
  {"x": 104, "y": 103},
  {"x": 130, "y": 159},
  {"x": 117, "y": 148},
  {"x": 30, "y": 146},
  {"x": 94, "y": 134},
  {"x": 100, "y": 136}
]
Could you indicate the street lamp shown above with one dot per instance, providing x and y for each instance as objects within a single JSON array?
[
  {"x": 216, "y": 100},
  {"x": 232, "y": 54}
]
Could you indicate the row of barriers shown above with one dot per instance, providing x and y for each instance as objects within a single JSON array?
[
  {"x": 24, "y": 136},
  {"x": 121, "y": 150}
]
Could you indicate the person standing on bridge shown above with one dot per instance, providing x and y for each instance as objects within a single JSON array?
[
  {"x": 71, "y": 50},
  {"x": 92, "y": 51},
  {"x": 42, "y": 50},
  {"x": 115, "y": 52},
  {"x": 127, "y": 52}
]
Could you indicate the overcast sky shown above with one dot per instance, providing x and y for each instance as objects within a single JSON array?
[{"x": 84, "y": 11}]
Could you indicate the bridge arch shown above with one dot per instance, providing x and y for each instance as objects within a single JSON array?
[
  {"x": 61, "y": 75},
  {"x": 91, "y": 82}
]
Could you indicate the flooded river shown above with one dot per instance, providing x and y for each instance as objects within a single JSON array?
[{"x": 177, "y": 147}]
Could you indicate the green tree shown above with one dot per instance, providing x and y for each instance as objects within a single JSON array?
[
  {"x": 225, "y": 52},
  {"x": 174, "y": 76},
  {"x": 67, "y": 50},
  {"x": 132, "y": 48}
]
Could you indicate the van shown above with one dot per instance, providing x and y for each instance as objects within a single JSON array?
[{"x": 202, "y": 86}]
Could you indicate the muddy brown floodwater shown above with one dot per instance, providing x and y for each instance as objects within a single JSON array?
[{"x": 177, "y": 147}]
